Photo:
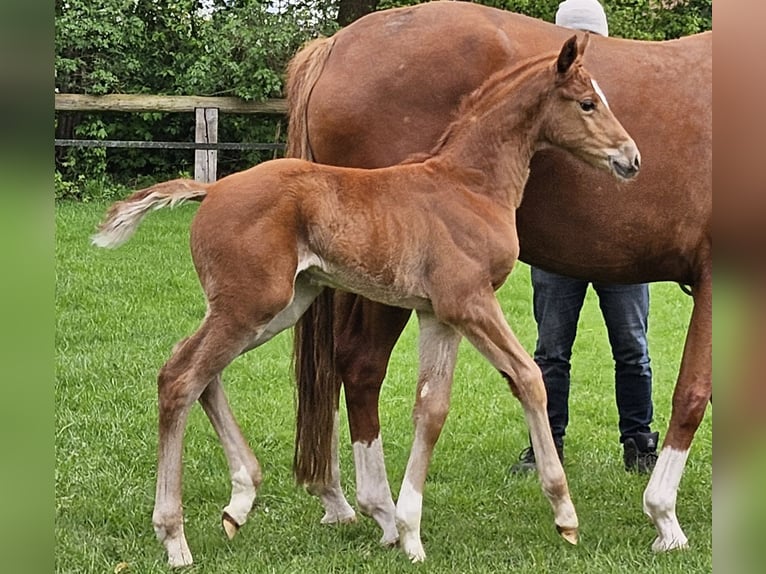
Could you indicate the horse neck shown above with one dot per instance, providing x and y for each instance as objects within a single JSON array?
[{"x": 498, "y": 132}]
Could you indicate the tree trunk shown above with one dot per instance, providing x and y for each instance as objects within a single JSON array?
[{"x": 350, "y": 10}]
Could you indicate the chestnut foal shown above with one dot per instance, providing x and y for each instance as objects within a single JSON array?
[{"x": 435, "y": 234}]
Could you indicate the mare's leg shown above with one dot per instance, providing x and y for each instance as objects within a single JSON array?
[
  {"x": 366, "y": 333},
  {"x": 337, "y": 510},
  {"x": 438, "y": 347},
  {"x": 244, "y": 470},
  {"x": 195, "y": 363},
  {"x": 690, "y": 398},
  {"x": 480, "y": 319}
]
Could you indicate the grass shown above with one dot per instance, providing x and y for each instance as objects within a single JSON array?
[{"x": 120, "y": 312}]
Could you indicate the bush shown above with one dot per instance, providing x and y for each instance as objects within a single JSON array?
[{"x": 191, "y": 47}]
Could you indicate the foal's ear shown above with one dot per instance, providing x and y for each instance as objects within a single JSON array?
[{"x": 567, "y": 56}]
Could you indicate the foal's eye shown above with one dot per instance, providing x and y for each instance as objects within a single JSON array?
[{"x": 588, "y": 105}]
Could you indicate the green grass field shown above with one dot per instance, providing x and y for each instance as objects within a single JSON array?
[{"x": 118, "y": 314}]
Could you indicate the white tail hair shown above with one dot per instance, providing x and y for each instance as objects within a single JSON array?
[{"x": 123, "y": 217}]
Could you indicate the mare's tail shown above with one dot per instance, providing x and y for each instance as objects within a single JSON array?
[
  {"x": 123, "y": 217},
  {"x": 303, "y": 71},
  {"x": 317, "y": 381}
]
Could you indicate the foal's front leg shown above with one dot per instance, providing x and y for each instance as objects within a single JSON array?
[
  {"x": 480, "y": 319},
  {"x": 438, "y": 353}
]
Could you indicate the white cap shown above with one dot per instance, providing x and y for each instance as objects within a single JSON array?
[{"x": 583, "y": 15}]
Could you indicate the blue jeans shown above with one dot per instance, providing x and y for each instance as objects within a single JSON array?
[{"x": 557, "y": 304}]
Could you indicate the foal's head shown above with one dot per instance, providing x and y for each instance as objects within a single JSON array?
[{"x": 579, "y": 120}]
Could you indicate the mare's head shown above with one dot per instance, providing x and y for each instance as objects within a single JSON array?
[{"x": 578, "y": 118}]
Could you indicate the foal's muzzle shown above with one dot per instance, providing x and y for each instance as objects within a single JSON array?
[{"x": 626, "y": 163}]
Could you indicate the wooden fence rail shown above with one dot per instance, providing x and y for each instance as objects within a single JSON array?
[{"x": 206, "y": 111}]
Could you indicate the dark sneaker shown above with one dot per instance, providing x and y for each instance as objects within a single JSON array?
[
  {"x": 526, "y": 462},
  {"x": 640, "y": 452}
]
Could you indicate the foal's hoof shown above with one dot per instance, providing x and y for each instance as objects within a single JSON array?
[
  {"x": 230, "y": 525},
  {"x": 389, "y": 541},
  {"x": 568, "y": 534},
  {"x": 334, "y": 518}
]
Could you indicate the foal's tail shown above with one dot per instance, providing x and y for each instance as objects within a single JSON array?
[
  {"x": 317, "y": 381},
  {"x": 123, "y": 217}
]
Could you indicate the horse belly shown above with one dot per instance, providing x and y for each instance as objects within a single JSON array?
[{"x": 393, "y": 291}]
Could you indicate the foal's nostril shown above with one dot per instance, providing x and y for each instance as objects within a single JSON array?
[{"x": 625, "y": 167}]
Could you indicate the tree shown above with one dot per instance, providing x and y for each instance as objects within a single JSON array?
[{"x": 350, "y": 10}]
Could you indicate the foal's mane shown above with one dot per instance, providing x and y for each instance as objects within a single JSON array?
[{"x": 490, "y": 94}]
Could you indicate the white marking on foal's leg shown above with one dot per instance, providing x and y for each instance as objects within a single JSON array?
[
  {"x": 337, "y": 510},
  {"x": 178, "y": 551},
  {"x": 167, "y": 520},
  {"x": 409, "y": 509},
  {"x": 172, "y": 538},
  {"x": 242, "y": 498},
  {"x": 167, "y": 517},
  {"x": 373, "y": 493},
  {"x": 551, "y": 474},
  {"x": 660, "y": 499}
]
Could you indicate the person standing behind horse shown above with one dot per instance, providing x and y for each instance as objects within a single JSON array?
[{"x": 557, "y": 302}]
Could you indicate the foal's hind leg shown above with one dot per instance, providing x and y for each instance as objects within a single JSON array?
[
  {"x": 438, "y": 347},
  {"x": 193, "y": 365},
  {"x": 244, "y": 469},
  {"x": 480, "y": 319}
]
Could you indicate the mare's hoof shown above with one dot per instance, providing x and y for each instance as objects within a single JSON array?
[
  {"x": 230, "y": 525},
  {"x": 568, "y": 534}
]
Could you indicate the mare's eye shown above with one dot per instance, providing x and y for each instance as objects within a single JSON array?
[{"x": 588, "y": 105}]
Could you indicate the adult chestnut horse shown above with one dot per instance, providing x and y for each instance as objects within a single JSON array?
[
  {"x": 385, "y": 87},
  {"x": 436, "y": 234}
]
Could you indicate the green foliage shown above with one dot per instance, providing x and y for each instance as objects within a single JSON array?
[
  {"x": 657, "y": 20},
  {"x": 189, "y": 47},
  {"x": 638, "y": 19}
]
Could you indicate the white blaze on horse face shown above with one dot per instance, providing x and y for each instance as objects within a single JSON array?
[
  {"x": 660, "y": 499},
  {"x": 599, "y": 92}
]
